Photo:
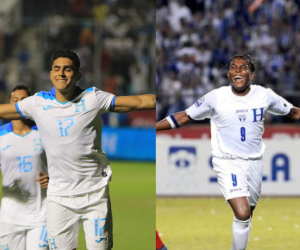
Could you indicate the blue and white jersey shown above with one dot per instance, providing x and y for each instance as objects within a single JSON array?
[
  {"x": 237, "y": 122},
  {"x": 71, "y": 134},
  {"x": 21, "y": 157}
]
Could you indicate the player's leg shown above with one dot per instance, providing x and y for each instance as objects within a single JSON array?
[
  {"x": 97, "y": 223},
  {"x": 241, "y": 225},
  {"x": 62, "y": 225},
  {"x": 13, "y": 241},
  {"x": 37, "y": 238},
  {"x": 232, "y": 177},
  {"x": 159, "y": 244},
  {"x": 255, "y": 182}
]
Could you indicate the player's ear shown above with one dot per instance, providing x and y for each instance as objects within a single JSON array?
[
  {"x": 79, "y": 75},
  {"x": 253, "y": 76}
]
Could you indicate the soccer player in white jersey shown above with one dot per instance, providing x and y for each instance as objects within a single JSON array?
[
  {"x": 23, "y": 206},
  {"x": 237, "y": 125},
  {"x": 69, "y": 121}
]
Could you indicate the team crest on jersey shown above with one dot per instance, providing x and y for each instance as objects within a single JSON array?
[
  {"x": 199, "y": 102},
  {"x": 242, "y": 118}
]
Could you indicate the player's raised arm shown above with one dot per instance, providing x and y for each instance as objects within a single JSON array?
[
  {"x": 9, "y": 112},
  {"x": 130, "y": 103},
  {"x": 294, "y": 114},
  {"x": 173, "y": 121}
]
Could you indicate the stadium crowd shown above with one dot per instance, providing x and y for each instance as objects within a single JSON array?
[
  {"x": 125, "y": 53},
  {"x": 196, "y": 39}
]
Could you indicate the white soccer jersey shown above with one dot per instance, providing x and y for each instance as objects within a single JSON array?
[
  {"x": 21, "y": 157},
  {"x": 71, "y": 134},
  {"x": 237, "y": 122}
]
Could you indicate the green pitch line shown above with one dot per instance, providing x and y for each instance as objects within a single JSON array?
[
  {"x": 205, "y": 223},
  {"x": 133, "y": 204}
]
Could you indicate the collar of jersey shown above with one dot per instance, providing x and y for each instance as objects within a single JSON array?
[
  {"x": 8, "y": 128},
  {"x": 78, "y": 91}
]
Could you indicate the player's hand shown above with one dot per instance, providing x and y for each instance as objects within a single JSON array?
[{"x": 43, "y": 180}]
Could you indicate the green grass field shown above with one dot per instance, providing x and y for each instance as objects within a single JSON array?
[
  {"x": 133, "y": 204},
  {"x": 205, "y": 224}
]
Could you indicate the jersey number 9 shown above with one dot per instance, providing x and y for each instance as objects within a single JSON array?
[{"x": 243, "y": 134}]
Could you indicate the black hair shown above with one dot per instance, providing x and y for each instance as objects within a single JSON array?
[
  {"x": 67, "y": 53},
  {"x": 24, "y": 87},
  {"x": 251, "y": 62}
]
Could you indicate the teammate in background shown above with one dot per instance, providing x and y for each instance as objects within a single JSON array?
[
  {"x": 23, "y": 160},
  {"x": 69, "y": 121},
  {"x": 237, "y": 125},
  {"x": 159, "y": 244}
]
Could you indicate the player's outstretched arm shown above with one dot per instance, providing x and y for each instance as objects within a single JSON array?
[
  {"x": 173, "y": 121},
  {"x": 294, "y": 114},
  {"x": 130, "y": 103},
  {"x": 9, "y": 112}
]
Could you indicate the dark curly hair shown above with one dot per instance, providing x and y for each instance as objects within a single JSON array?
[{"x": 251, "y": 62}]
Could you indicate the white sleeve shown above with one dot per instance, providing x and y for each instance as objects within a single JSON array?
[
  {"x": 203, "y": 108},
  {"x": 105, "y": 100},
  {"x": 278, "y": 105},
  {"x": 25, "y": 107}
]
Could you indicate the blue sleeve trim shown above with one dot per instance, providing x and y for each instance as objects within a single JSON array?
[
  {"x": 112, "y": 104},
  {"x": 19, "y": 111},
  {"x": 174, "y": 120},
  {"x": 5, "y": 129}
]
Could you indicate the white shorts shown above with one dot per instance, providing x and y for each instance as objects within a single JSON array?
[
  {"x": 239, "y": 178},
  {"x": 24, "y": 238},
  {"x": 94, "y": 211}
]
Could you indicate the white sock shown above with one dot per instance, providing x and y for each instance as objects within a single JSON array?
[{"x": 241, "y": 231}]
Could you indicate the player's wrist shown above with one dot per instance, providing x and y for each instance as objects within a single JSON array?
[{"x": 172, "y": 121}]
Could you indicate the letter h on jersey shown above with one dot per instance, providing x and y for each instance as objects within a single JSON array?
[
  {"x": 52, "y": 244},
  {"x": 82, "y": 105},
  {"x": 5, "y": 247},
  {"x": 256, "y": 114},
  {"x": 38, "y": 145}
]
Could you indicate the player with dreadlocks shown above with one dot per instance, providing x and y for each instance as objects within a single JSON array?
[{"x": 237, "y": 125}]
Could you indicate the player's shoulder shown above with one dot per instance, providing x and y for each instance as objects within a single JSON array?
[
  {"x": 6, "y": 129},
  {"x": 257, "y": 89},
  {"x": 223, "y": 89},
  {"x": 50, "y": 95}
]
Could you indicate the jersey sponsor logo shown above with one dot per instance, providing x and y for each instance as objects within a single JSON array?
[
  {"x": 235, "y": 190},
  {"x": 6, "y": 147},
  {"x": 47, "y": 107},
  {"x": 241, "y": 111},
  {"x": 199, "y": 102},
  {"x": 101, "y": 239}
]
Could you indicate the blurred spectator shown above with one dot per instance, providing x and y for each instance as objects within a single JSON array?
[{"x": 197, "y": 38}]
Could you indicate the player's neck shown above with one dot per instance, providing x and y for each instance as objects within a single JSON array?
[
  {"x": 245, "y": 92},
  {"x": 20, "y": 128},
  {"x": 65, "y": 96}
]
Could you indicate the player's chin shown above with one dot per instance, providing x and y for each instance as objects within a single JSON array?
[
  {"x": 61, "y": 85},
  {"x": 239, "y": 85}
]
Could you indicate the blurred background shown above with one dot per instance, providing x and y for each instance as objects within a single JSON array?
[
  {"x": 196, "y": 38},
  {"x": 194, "y": 41},
  {"x": 115, "y": 41}
]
